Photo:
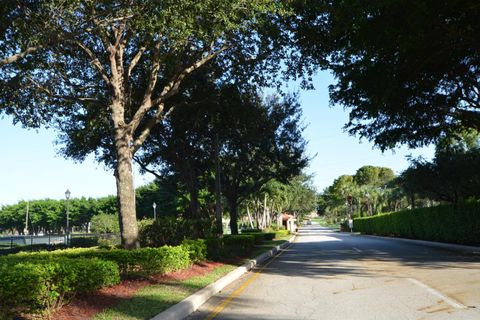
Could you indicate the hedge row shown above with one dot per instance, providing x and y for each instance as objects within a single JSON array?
[
  {"x": 259, "y": 237},
  {"x": 229, "y": 246},
  {"x": 453, "y": 224},
  {"x": 172, "y": 231},
  {"x": 42, "y": 285},
  {"x": 144, "y": 261},
  {"x": 41, "y": 281}
]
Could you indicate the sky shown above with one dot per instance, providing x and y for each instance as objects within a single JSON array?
[{"x": 30, "y": 167}]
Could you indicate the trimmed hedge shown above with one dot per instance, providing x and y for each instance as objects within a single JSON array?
[
  {"x": 43, "y": 285},
  {"x": 83, "y": 242},
  {"x": 229, "y": 246},
  {"x": 144, "y": 261},
  {"x": 172, "y": 231},
  {"x": 197, "y": 249},
  {"x": 258, "y": 237},
  {"x": 251, "y": 231},
  {"x": 453, "y": 224}
]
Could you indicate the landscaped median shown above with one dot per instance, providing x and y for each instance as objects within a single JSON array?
[{"x": 41, "y": 282}]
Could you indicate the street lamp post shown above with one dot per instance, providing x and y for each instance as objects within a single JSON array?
[
  {"x": 67, "y": 196},
  {"x": 154, "y": 205}
]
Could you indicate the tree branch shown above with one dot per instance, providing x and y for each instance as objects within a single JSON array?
[
  {"x": 146, "y": 104},
  {"x": 64, "y": 97},
  {"x": 135, "y": 60},
  {"x": 145, "y": 168},
  {"x": 18, "y": 56},
  {"x": 94, "y": 61},
  {"x": 172, "y": 87}
]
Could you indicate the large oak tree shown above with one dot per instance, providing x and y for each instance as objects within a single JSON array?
[{"x": 86, "y": 67}]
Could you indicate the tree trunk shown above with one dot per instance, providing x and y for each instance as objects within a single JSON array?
[
  {"x": 218, "y": 189},
  {"x": 125, "y": 191},
  {"x": 250, "y": 218},
  {"x": 233, "y": 216},
  {"x": 194, "y": 204}
]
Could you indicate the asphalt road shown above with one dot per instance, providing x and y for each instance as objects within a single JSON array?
[{"x": 328, "y": 275}]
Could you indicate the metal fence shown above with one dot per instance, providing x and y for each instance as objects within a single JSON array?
[{"x": 10, "y": 242}]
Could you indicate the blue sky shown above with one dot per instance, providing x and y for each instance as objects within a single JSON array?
[{"x": 31, "y": 169}]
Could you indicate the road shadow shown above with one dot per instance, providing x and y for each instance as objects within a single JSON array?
[{"x": 322, "y": 252}]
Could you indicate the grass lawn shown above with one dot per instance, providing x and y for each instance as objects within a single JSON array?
[
  {"x": 324, "y": 223},
  {"x": 151, "y": 300}
]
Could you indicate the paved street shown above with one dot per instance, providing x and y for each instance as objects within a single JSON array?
[{"x": 328, "y": 275}]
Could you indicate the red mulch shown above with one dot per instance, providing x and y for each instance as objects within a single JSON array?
[{"x": 86, "y": 306}]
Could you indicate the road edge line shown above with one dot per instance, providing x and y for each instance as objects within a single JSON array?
[
  {"x": 450, "y": 301},
  {"x": 188, "y": 305}
]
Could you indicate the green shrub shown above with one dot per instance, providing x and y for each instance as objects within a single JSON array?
[
  {"x": 281, "y": 233},
  {"x": 84, "y": 242},
  {"x": 268, "y": 236},
  {"x": 105, "y": 223},
  {"x": 43, "y": 285},
  {"x": 238, "y": 245},
  {"x": 258, "y": 237},
  {"x": 143, "y": 261},
  {"x": 31, "y": 248},
  {"x": 197, "y": 249},
  {"x": 229, "y": 246},
  {"x": 251, "y": 231},
  {"x": 172, "y": 231},
  {"x": 447, "y": 223},
  {"x": 215, "y": 248}
]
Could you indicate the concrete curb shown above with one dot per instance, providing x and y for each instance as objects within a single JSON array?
[
  {"x": 193, "y": 302},
  {"x": 442, "y": 245}
]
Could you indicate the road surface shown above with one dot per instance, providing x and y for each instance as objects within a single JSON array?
[{"x": 329, "y": 275}]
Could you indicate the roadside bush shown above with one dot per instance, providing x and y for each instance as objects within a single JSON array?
[
  {"x": 172, "y": 231},
  {"x": 251, "y": 231},
  {"x": 84, "y": 242},
  {"x": 454, "y": 224},
  {"x": 258, "y": 237},
  {"x": 197, "y": 249},
  {"x": 35, "y": 247},
  {"x": 43, "y": 285},
  {"x": 281, "y": 233},
  {"x": 143, "y": 261},
  {"x": 229, "y": 246},
  {"x": 268, "y": 236}
]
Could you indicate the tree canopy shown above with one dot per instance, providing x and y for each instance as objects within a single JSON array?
[
  {"x": 102, "y": 72},
  {"x": 452, "y": 175},
  {"x": 408, "y": 71}
]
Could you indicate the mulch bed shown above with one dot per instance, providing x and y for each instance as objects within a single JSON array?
[{"x": 86, "y": 306}]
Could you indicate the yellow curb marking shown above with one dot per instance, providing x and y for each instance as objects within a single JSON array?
[{"x": 237, "y": 292}]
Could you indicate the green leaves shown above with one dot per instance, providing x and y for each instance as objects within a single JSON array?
[
  {"x": 41, "y": 285},
  {"x": 454, "y": 224},
  {"x": 407, "y": 71}
]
